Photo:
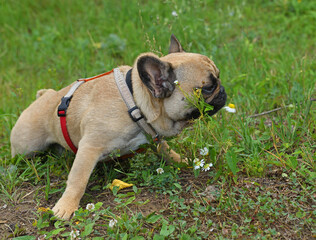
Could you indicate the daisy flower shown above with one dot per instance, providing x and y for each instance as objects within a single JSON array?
[
  {"x": 160, "y": 170},
  {"x": 112, "y": 223},
  {"x": 204, "y": 151},
  {"x": 174, "y": 13},
  {"x": 207, "y": 167},
  {"x": 74, "y": 234},
  {"x": 198, "y": 163},
  {"x": 230, "y": 108},
  {"x": 90, "y": 206}
]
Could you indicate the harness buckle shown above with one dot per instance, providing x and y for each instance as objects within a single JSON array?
[
  {"x": 63, "y": 106},
  {"x": 134, "y": 117},
  {"x": 156, "y": 138}
]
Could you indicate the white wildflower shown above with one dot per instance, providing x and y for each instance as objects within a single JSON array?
[
  {"x": 204, "y": 151},
  {"x": 160, "y": 170},
  {"x": 198, "y": 163},
  {"x": 174, "y": 13},
  {"x": 230, "y": 108},
  {"x": 112, "y": 223},
  {"x": 207, "y": 167},
  {"x": 42, "y": 237},
  {"x": 90, "y": 206},
  {"x": 176, "y": 82},
  {"x": 74, "y": 234}
]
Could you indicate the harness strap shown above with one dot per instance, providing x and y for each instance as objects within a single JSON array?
[
  {"x": 62, "y": 108},
  {"x": 133, "y": 110},
  {"x": 95, "y": 77},
  {"x": 63, "y": 124},
  {"x": 126, "y": 93},
  {"x": 61, "y": 112},
  {"x": 128, "y": 80}
]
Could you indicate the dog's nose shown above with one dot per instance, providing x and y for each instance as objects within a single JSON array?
[
  {"x": 219, "y": 101},
  {"x": 222, "y": 90},
  {"x": 222, "y": 96}
]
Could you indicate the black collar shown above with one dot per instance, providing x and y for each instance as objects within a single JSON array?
[{"x": 128, "y": 80}]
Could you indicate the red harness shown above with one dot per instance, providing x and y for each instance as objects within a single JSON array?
[{"x": 62, "y": 110}]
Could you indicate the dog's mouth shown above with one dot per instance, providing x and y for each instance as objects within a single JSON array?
[{"x": 216, "y": 98}]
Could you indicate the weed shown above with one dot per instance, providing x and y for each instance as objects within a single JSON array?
[{"x": 261, "y": 162}]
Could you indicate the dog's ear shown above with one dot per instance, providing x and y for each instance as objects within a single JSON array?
[
  {"x": 175, "y": 45},
  {"x": 157, "y": 75}
]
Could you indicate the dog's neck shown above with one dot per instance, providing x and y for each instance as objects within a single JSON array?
[{"x": 149, "y": 106}]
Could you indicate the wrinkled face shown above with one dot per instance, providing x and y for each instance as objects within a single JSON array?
[
  {"x": 193, "y": 71},
  {"x": 177, "y": 75}
]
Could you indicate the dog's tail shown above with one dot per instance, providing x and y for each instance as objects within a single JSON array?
[{"x": 41, "y": 93}]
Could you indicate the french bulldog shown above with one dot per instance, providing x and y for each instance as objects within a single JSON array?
[{"x": 98, "y": 122}]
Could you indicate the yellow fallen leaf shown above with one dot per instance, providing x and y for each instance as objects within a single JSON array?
[
  {"x": 120, "y": 184},
  {"x": 43, "y": 209}
]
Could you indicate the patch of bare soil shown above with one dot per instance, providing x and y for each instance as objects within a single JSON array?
[{"x": 17, "y": 217}]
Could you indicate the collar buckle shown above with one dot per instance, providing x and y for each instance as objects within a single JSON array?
[{"x": 135, "y": 114}]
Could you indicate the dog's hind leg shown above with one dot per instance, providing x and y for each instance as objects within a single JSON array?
[
  {"x": 41, "y": 92},
  {"x": 27, "y": 140},
  {"x": 30, "y": 133}
]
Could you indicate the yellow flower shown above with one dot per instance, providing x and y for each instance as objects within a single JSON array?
[
  {"x": 97, "y": 45},
  {"x": 197, "y": 92},
  {"x": 231, "y": 105},
  {"x": 42, "y": 209},
  {"x": 120, "y": 184}
]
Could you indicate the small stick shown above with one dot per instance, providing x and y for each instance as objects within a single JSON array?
[
  {"x": 267, "y": 112},
  {"x": 274, "y": 110}
]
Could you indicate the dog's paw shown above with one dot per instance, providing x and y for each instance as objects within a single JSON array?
[{"x": 64, "y": 208}]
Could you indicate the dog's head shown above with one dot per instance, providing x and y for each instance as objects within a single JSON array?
[{"x": 173, "y": 77}]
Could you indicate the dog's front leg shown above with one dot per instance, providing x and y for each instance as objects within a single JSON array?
[
  {"x": 84, "y": 163},
  {"x": 170, "y": 154}
]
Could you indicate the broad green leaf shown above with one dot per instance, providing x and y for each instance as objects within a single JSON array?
[
  {"x": 153, "y": 218},
  {"x": 232, "y": 160},
  {"x": 158, "y": 237},
  {"x": 88, "y": 229},
  {"x": 25, "y": 238},
  {"x": 167, "y": 230}
]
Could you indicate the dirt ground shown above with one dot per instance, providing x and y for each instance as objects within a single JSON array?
[{"x": 20, "y": 216}]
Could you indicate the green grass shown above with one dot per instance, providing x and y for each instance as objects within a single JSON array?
[{"x": 264, "y": 167}]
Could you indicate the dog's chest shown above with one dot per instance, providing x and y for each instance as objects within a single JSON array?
[
  {"x": 125, "y": 147},
  {"x": 134, "y": 143}
]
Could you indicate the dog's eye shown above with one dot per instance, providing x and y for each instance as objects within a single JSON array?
[
  {"x": 213, "y": 79},
  {"x": 209, "y": 89}
]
